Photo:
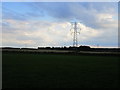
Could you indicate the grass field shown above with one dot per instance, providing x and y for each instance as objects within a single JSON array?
[{"x": 22, "y": 70}]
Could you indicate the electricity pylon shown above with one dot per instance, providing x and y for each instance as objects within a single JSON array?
[{"x": 75, "y": 32}]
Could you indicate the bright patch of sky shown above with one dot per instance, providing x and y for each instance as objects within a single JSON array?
[{"x": 34, "y": 24}]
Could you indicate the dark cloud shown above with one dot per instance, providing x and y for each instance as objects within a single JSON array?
[
  {"x": 85, "y": 12},
  {"x": 63, "y": 11}
]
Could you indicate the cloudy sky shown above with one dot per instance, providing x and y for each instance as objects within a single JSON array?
[{"x": 30, "y": 24}]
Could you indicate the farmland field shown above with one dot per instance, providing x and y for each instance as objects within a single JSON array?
[{"x": 23, "y": 70}]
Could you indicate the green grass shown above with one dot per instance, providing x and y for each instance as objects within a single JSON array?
[{"x": 59, "y": 71}]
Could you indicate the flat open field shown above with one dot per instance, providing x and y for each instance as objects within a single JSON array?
[{"x": 22, "y": 70}]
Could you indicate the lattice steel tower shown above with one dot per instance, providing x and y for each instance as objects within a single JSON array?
[{"x": 75, "y": 32}]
